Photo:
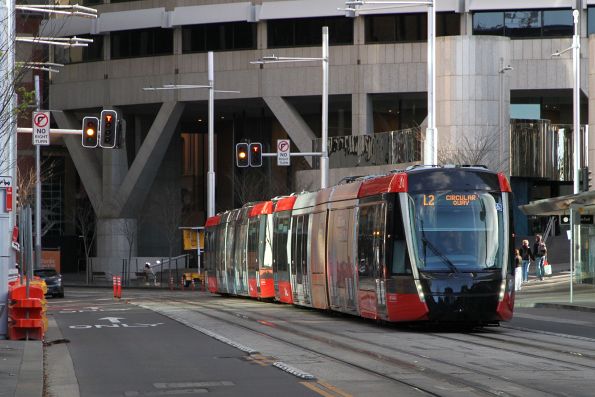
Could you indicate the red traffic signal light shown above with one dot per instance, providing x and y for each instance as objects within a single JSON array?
[
  {"x": 109, "y": 129},
  {"x": 90, "y": 132},
  {"x": 255, "y": 154},
  {"x": 242, "y": 155}
]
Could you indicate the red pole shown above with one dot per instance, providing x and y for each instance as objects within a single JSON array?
[
  {"x": 115, "y": 286},
  {"x": 171, "y": 283},
  {"x": 119, "y": 286},
  {"x": 182, "y": 283}
]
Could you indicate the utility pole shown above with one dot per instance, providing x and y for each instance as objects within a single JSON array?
[{"x": 7, "y": 149}]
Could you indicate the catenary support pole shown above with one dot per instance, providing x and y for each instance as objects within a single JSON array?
[
  {"x": 211, "y": 139},
  {"x": 431, "y": 141},
  {"x": 324, "y": 161}
]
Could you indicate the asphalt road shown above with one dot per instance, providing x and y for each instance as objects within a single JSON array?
[{"x": 123, "y": 350}]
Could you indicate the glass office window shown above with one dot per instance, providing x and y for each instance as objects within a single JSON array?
[
  {"x": 308, "y": 32},
  {"x": 488, "y": 23},
  {"x": 93, "y": 52},
  {"x": 141, "y": 43},
  {"x": 557, "y": 23},
  {"x": 219, "y": 37},
  {"x": 409, "y": 27},
  {"x": 522, "y": 23},
  {"x": 590, "y": 20}
]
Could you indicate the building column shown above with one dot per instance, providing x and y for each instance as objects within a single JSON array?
[
  {"x": 473, "y": 100},
  {"x": 362, "y": 114}
]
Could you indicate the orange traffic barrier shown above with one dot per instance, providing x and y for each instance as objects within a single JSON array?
[{"x": 26, "y": 315}]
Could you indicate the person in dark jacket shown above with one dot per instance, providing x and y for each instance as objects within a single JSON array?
[
  {"x": 527, "y": 256},
  {"x": 539, "y": 251}
]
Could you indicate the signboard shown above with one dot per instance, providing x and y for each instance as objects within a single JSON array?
[
  {"x": 283, "y": 152},
  {"x": 585, "y": 220},
  {"x": 192, "y": 238},
  {"x": 41, "y": 128},
  {"x": 50, "y": 259}
]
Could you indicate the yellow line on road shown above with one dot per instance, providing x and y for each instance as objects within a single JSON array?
[
  {"x": 325, "y": 389},
  {"x": 334, "y": 388}
]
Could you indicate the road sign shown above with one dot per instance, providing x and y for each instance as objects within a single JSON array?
[
  {"x": 283, "y": 152},
  {"x": 41, "y": 128}
]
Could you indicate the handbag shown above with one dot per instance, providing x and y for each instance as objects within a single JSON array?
[{"x": 547, "y": 268}]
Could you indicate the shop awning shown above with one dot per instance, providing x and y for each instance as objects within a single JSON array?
[{"x": 558, "y": 205}]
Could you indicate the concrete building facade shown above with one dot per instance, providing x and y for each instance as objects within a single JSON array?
[{"x": 494, "y": 63}]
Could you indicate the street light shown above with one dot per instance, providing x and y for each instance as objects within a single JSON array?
[
  {"x": 211, "y": 134},
  {"x": 353, "y": 7},
  {"x": 324, "y": 162},
  {"x": 576, "y": 149}
]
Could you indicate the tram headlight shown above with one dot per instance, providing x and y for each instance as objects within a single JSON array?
[
  {"x": 502, "y": 290},
  {"x": 420, "y": 291}
]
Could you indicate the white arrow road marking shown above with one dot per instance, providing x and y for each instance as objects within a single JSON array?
[{"x": 113, "y": 320}]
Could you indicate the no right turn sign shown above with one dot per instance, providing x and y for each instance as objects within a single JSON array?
[{"x": 283, "y": 152}]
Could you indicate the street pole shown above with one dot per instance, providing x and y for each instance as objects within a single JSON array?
[
  {"x": 7, "y": 149},
  {"x": 574, "y": 225},
  {"x": 211, "y": 139},
  {"x": 37, "y": 186},
  {"x": 324, "y": 160},
  {"x": 431, "y": 141}
]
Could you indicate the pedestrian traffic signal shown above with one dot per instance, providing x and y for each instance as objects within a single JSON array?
[
  {"x": 90, "y": 131},
  {"x": 584, "y": 179},
  {"x": 255, "y": 155},
  {"x": 242, "y": 155},
  {"x": 109, "y": 129}
]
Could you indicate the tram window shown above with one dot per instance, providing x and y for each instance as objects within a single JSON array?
[
  {"x": 370, "y": 238},
  {"x": 262, "y": 241},
  {"x": 253, "y": 243},
  {"x": 280, "y": 242},
  {"x": 306, "y": 219},
  {"x": 294, "y": 233}
]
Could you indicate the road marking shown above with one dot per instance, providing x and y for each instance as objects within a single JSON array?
[
  {"x": 113, "y": 320},
  {"x": 99, "y": 326},
  {"x": 325, "y": 389}
]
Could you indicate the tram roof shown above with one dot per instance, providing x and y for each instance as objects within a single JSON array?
[
  {"x": 285, "y": 203},
  {"x": 263, "y": 208},
  {"x": 213, "y": 221}
]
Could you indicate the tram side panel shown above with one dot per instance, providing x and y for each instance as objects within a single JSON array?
[
  {"x": 342, "y": 276},
  {"x": 317, "y": 238},
  {"x": 266, "y": 288}
]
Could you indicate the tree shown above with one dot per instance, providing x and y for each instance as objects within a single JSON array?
[
  {"x": 479, "y": 149},
  {"x": 255, "y": 185},
  {"x": 168, "y": 209},
  {"x": 85, "y": 221}
]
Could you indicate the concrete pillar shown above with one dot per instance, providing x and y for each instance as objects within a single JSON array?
[
  {"x": 473, "y": 100},
  {"x": 362, "y": 114},
  {"x": 112, "y": 237}
]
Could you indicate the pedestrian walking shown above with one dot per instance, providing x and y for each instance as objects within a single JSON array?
[
  {"x": 527, "y": 256},
  {"x": 518, "y": 270},
  {"x": 540, "y": 252}
]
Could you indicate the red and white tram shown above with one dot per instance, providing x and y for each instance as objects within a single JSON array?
[{"x": 427, "y": 243}]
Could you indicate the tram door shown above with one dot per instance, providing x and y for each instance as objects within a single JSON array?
[
  {"x": 240, "y": 263},
  {"x": 300, "y": 282},
  {"x": 281, "y": 256},
  {"x": 371, "y": 252}
]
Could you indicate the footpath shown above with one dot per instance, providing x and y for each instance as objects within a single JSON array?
[{"x": 21, "y": 362}]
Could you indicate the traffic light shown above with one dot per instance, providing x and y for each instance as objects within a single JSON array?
[
  {"x": 90, "y": 131},
  {"x": 255, "y": 155},
  {"x": 242, "y": 155},
  {"x": 109, "y": 128}
]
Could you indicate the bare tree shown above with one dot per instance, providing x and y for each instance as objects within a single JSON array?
[
  {"x": 255, "y": 185},
  {"x": 479, "y": 149},
  {"x": 85, "y": 221},
  {"x": 168, "y": 209}
]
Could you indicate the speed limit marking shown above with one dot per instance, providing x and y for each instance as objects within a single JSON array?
[
  {"x": 283, "y": 152},
  {"x": 41, "y": 128}
]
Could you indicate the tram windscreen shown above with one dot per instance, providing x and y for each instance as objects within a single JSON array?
[{"x": 457, "y": 231}]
